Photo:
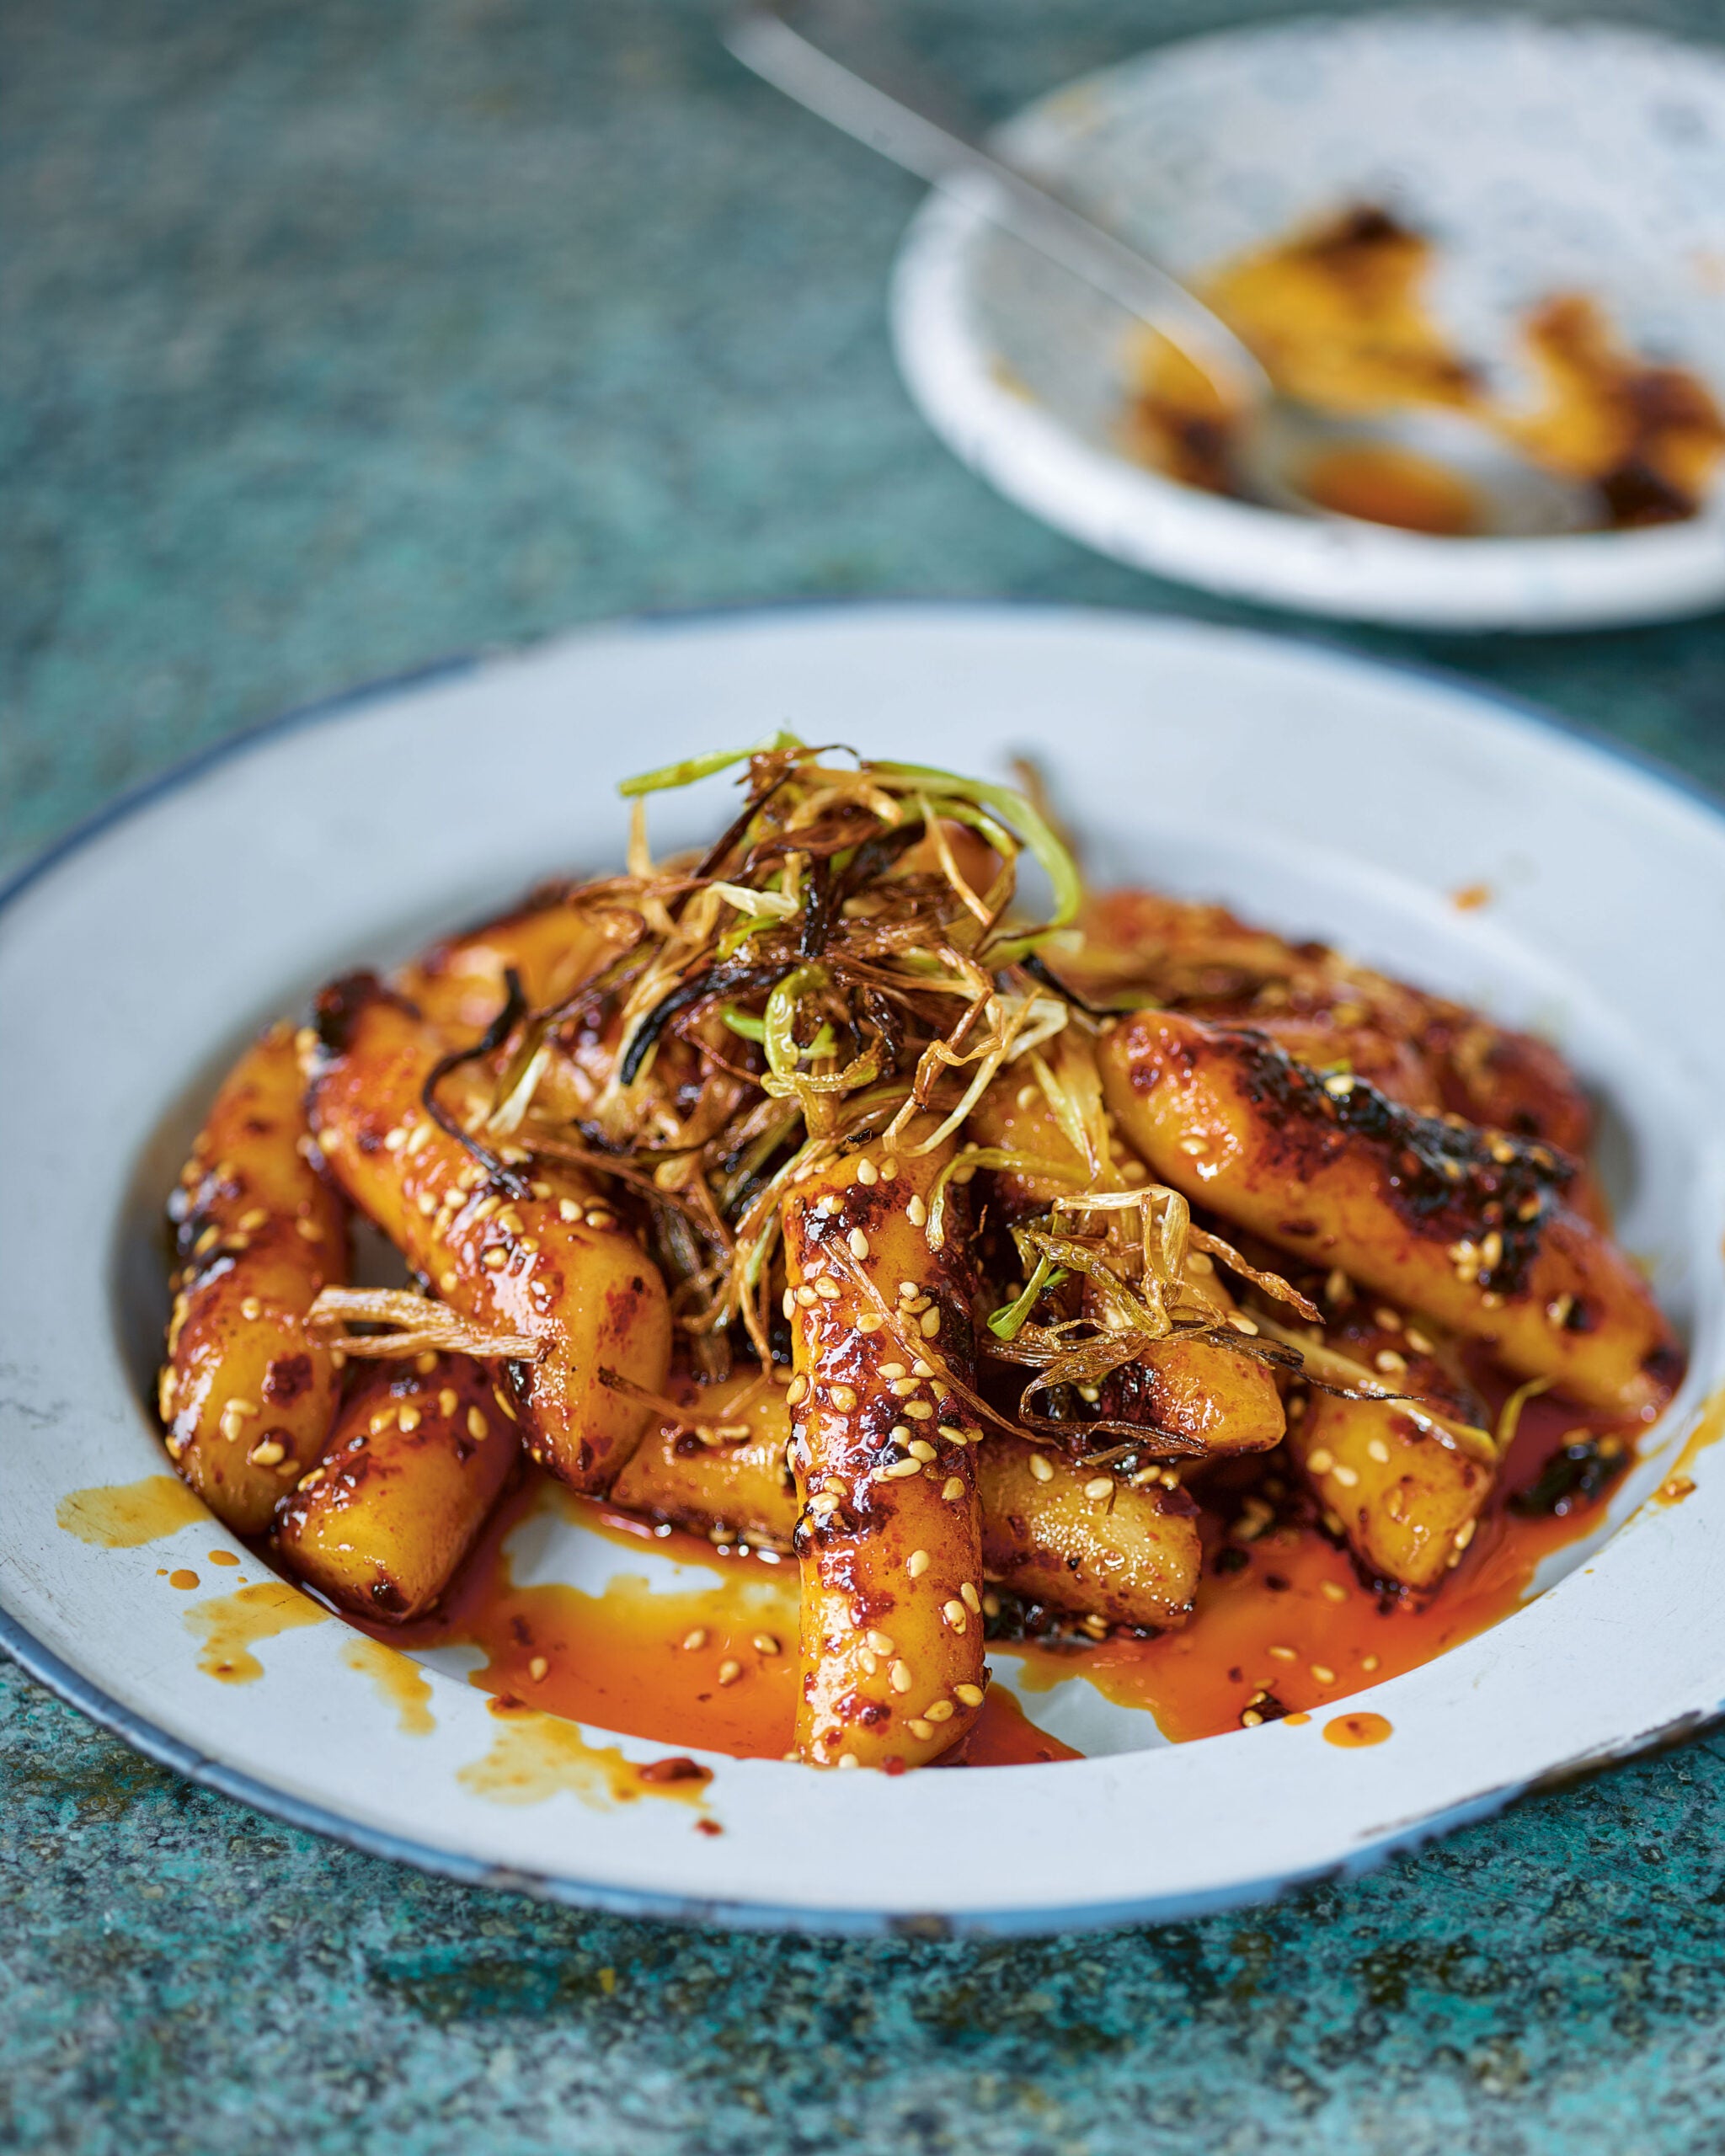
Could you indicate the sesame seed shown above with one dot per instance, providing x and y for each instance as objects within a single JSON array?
[
  {"x": 1250, "y": 1718},
  {"x": 881, "y": 1642},
  {"x": 968, "y": 1695},
  {"x": 730, "y": 1672},
  {"x": 916, "y": 1212},
  {"x": 970, "y": 1598},
  {"x": 448, "y": 1282},
  {"x": 393, "y": 1140},
  {"x": 1491, "y": 1250},
  {"x": 827, "y": 1289},
  {"x": 1322, "y": 1675},
  {"x": 847, "y": 1759},
  {"x": 1337, "y": 1288},
  {"x": 866, "y": 1172},
  {"x": 477, "y": 1427},
  {"x": 407, "y": 1416},
  {"x": 310, "y": 1229},
  {"x": 842, "y": 1396},
  {"x": 567, "y": 1209},
  {"x": 952, "y": 1435},
  {"x": 952, "y": 1489},
  {"x": 1418, "y": 1342},
  {"x": 797, "y": 1389},
  {"x": 917, "y": 1563},
  {"x": 447, "y": 1401},
  {"x": 858, "y": 1242},
  {"x": 919, "y": 1728},
  {"x": 1347, "y": 1476},
  {"x": 538, "y": 1668},
  {"x": 254, "y": 1218},
  {"x": 867, "y": 1664},
  {"x": 381, "y": 1420},
  {"x": 1240, "y": 1322},
  {"x": 903, "y": 1387},
  {"x": 503, "y": 1401},
  {"x": 899, "y": 1676},
  {"x": 1095, "y": 1625},
  {"x": 251, "y": 1307},
  {"x": 1100, "y": 1485},
  {"x": 1332, "y": 1590},
  {"x": 919, "y": 1369},
  {"x": 496, "y": 1258},
  {"x": 1464, "y": 1534},
  {"x": 806, "y": 1296},
  {"x": 870, "y": 1321},
  {"x": 765, "y": 1643},
  {"x": 919, "y": 1411},
  {"x": 1390, "y": 1363},
  {"x": 955, "y": 1614},
  {"x": 427, "y": 1202},
  {"x": 1379, "y": 1451},
  {"x": 897, "y": 1469},
  {"x": 207, "y": 1240},
  {"x": 929, "y": 1322},
  {"x": 824, "y": 1504},
  {"x": 600, "y": 1220},
  {"x": 888, "y": 1169},
  {"x": 417, "y": 1138},
  {"x": 893, "y": 1370},
  {"x": 920, "y": 1449},
  {"x": 426, "y": 1363},
  {"x": 899, "y": 1433},
  {"x": 829, "y": 1205},
  {"x": 1283, "y": 1654},
  {"x": 267, "y": 1452},
  {"x": 1368, "y": 1663},
  {"x": 1041, "y": 1468},
  {"x": 234, "y": 1417},
  {"x": 906, "y": 1291}
]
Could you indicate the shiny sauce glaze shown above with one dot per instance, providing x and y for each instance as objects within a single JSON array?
[{"x": 1283, "y": 1623}]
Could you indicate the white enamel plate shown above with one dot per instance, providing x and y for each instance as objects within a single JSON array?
[
  {"x": 1541, "y": 158},
  {"x": 1313, "y": 791}
]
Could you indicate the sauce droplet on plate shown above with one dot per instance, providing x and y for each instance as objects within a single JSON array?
[
  {"x": 1351, "y": 1731},
  {"x": 232, "y": 1625},
  {"x": 182, "y": 1578},
  {"x": 400, "y": 1681},
  {"x": 123, "y": 1515}
]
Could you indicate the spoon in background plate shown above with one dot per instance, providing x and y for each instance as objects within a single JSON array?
[{"x": 1279, "y": 442}]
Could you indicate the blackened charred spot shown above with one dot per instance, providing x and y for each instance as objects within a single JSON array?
[
  {"x": 286, "y": 1378},
  {"x": 387, "y": 1596},
  {"x": 1445, "y": 1179},
  {"x": 339, "y": 1007}
]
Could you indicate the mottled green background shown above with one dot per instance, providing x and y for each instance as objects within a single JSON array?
[{"x": 337, "y": 337}]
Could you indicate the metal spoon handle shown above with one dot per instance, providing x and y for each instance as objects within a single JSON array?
[{"x": 761, "y": 39}]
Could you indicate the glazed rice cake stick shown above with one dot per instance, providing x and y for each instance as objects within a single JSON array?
[
  {"x": 418, "y": 1458},
  {"x": 1078, "y": 1541},
  {"x": 1218, "y": 1396},
  {"x": 1070, "y": 1537},
  {"x": 552, "y": 1262},
  {"x": 1461, "y": 1223},
  {"x": 1407, "y": 1495},
  {"x": 246, "y": 1394},
  {"x": 890, "y": 1539}
]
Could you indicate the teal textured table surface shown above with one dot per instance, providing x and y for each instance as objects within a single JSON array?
[{"x": 337, "y": 339}]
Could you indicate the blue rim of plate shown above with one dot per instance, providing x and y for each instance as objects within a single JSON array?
[{"x": 155, "y": 1743}]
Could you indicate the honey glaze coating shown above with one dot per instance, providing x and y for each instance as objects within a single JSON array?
[
  {"x": 419, "y": 1457},
  {"x": 548, "y": 1258},
  {"x": 890, "y": 1539},
  {"x": 246, "y": 1394},
  {"x": 1466, "y": 1224}
]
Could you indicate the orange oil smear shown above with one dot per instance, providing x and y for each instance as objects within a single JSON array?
[
  {"x": 1297, "y": 1622},
  {"x": 1352, "y": 1732},
  {"x": 183, "y": 1578},
  {"x": 401, "y": 1682},
  {"x": 536, "y": 1755},
  {"x": 232, "y": 1625},
  {"x": 1004, "y": 1736},
  {"x": 1384, "y": 484},
  {"x": 650, "y": 1664},
  {"x": 1678, "y": 1482},
  {"x": 222, "y": 1557},
  {"x": 123, "y": 1515},
  {"x": 1470, "y": 897}
]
